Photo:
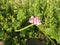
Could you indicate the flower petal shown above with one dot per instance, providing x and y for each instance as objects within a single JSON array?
[
  {"x": 31, "y": 19},
  {"x": 35, "y": 20}
]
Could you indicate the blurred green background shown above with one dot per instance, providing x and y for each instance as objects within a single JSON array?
[{"x": 14, "y": 15}]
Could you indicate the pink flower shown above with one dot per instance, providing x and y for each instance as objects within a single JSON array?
[
  {"x": 1, "y": 43},
  {"x": 31, "y": 20},
  {"x": 35, "y": 20}
]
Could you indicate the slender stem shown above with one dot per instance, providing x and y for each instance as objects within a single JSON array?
[
  {"x": 47, "y": 37},
  {"x": 39, "y": 30},
  {"x": 24, "y": 28}
]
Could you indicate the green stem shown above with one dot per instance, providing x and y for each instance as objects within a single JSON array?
[
  {"x": 46, "y": 36},
  {"x": 24, "y": 28},
  {"x": 40, "y": 31}
]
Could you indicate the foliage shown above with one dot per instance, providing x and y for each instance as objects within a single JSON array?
[{"x": 14, "y": 15}]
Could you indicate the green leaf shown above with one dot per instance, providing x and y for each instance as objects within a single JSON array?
[{"x": 51, "y": 32}]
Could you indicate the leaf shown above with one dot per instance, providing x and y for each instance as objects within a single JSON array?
[
  {"x": 51, "y": 32},
  {"x": 20, "y": 15}
]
